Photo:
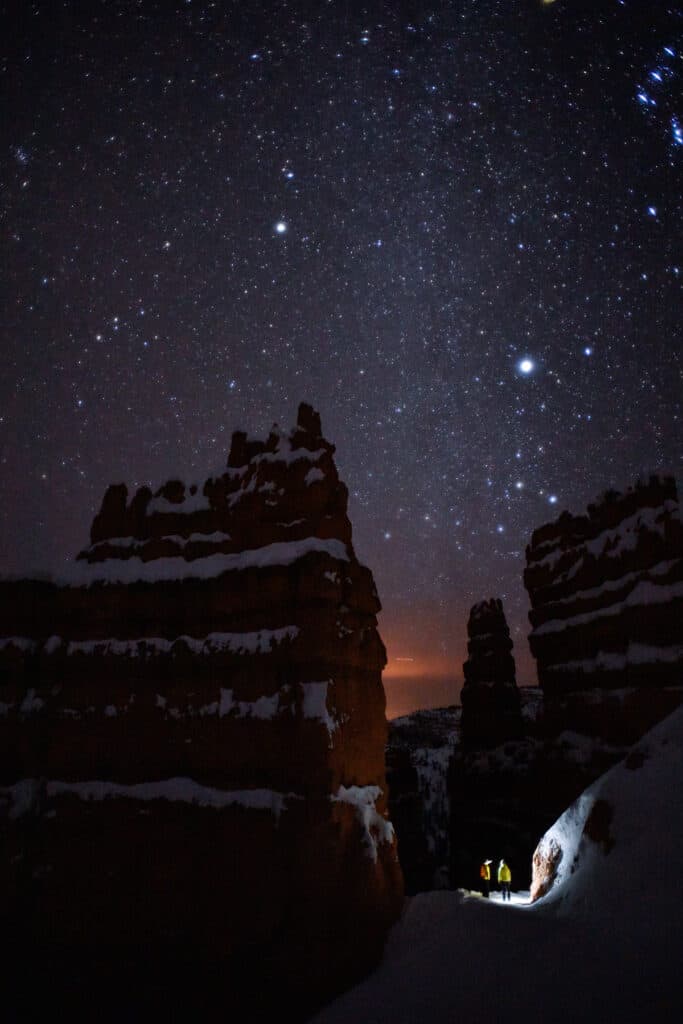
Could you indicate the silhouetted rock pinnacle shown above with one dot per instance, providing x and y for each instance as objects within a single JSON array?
[{"x": 490, "y": 699}]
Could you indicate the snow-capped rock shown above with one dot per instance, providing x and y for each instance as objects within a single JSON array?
[
  {"x": 606, "y": 591},
  {"x": 193, "y": 727}
]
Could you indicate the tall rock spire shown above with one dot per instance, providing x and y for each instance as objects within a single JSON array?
[
  {"x": 194, "y": 731},
  {"x": 490, "y": 699}
]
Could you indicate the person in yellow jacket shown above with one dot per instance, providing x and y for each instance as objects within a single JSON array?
[
  {"x": 504, "y": 879},
  {"x": 485, "y": 876}
]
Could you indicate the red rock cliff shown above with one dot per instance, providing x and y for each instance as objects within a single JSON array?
[
  {"x": 606, "y": 592},
  {"x": 192, "y": 731}
]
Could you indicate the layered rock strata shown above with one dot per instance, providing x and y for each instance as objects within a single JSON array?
[
  {"x": 192, "y": 731},
  {"x": 606, "y": 592},
  {"x": 490, "y": 699}
]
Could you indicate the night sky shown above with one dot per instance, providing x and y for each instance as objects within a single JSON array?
[{"x": 454, "y": 228}]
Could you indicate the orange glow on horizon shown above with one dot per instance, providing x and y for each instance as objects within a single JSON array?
[
  {"x": 422, "y": 671},
  {"x": 417, "y": 665}
]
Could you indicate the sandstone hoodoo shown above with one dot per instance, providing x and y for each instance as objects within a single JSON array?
[
  {"x": 490, "y": 698},
  {"x": 606, "y": 591},
  {"x": 193, "y": 733}
]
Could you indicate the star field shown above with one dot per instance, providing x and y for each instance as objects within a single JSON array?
[{"x": 454, "y": 228}]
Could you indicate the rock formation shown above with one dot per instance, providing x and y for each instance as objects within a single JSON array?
[
  {"x": 606, "y": 592},
  {"x": 490, "y": 699},
  {"x": 192, "y": 734}
]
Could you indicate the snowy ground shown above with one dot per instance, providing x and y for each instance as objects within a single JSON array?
[
  {"x": 605, "y": 946},
  {"x": 452, "y": 959},
  {"x": 517, "y": 899}
]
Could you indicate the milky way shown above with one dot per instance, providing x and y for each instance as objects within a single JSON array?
[{"x": 455, "y": 228}]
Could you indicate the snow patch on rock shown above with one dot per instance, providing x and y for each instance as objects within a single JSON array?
[
  {"x": 134, "y": 570},
  {"x": 376, "y": 829},
  {"x": 22, "y": 795}
]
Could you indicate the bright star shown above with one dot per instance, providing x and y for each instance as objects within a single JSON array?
[
  {"x": 281, "y": 227},
  {"x": 525, "y": 366}
]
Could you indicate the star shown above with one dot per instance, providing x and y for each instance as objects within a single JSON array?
[{"x": 436, "y": 232}]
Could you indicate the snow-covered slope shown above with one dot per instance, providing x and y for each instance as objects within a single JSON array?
[
  {"x": 621, "y": 844},
  {"x": 605, "y": 944}
]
